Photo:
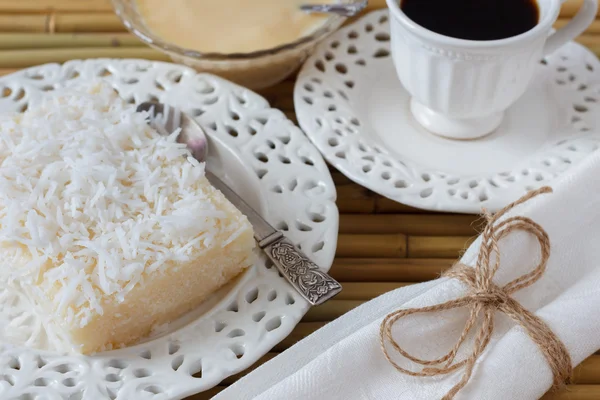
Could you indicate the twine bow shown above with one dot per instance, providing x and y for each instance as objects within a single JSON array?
[{"x": 482, "y": 300}]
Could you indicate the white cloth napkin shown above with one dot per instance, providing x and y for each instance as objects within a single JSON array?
[{"x": 343, "y": 360}]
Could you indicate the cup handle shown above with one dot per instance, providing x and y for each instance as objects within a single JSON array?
[{"x": 585, "y": 16}]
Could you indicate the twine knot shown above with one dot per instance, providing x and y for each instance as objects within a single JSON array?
[
  {"x": 489, "y": 297},
  {"x": 484, "y": 297}
]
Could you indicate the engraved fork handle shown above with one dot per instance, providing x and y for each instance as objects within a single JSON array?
[{"x": 313, "y": 284}]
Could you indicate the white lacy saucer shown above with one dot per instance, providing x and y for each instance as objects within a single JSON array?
[{"x": 351, "y": 104}]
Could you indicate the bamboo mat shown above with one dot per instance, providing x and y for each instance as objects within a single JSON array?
[{"x": 382, "y": 246}]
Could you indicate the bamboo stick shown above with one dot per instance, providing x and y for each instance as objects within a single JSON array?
[
  {"x": 26, "y": 58},
  {"x": 60, "y": 5},
  {"x": 302, "y": 330},
  {"x": 575, "y": 392},
  {"x": 588, "y": 372},
  {"x": 291, "y": 115},
  {"x": 22, "y": 41},
  {"x": 6, "y": 71},
  {"x": 340, "y": 179},
  {"x": 86, "y": 22},
  {"x": 282, "y": 95},
  {"x": 388, "y": 270},
  {"x": 594, "y": 47},
  {"x": 352, "y": 198},
  {"x": 283, "y": 89},
  {"x": 61, "y": 22},
  {"x": 283, "y": 102},
  {"x": 330, "y": 310},
  {"x": 590, "y": 41},
  {"x": 375, "y": 5},
  {"x": 377, "y": 246},
  {"x": 23, "y": 23},
  {"x": 570, "y": 8},
  {"x": 385, "y": 205},
  {"x": 593, "y": 29},
  {"x": 368, "y": 290},
  {"x": 411, "y": 224},
  {"x": 437, "y": 246}
]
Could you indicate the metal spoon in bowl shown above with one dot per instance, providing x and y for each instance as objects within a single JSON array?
[
  {"x": 343, "y": 9},
  {"x": 305, "y": 276}
]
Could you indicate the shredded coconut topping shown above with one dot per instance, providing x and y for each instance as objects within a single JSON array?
[{"x": 92, "y": 200}]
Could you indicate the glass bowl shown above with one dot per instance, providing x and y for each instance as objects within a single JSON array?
[{"x": 255, "y": 70}]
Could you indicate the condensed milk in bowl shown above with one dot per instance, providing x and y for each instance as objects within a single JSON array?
[{"x": 253, "y": 43}]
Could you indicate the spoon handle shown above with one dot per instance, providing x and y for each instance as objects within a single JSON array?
[
  {"x": 304, "y": 275},
  {"x": 343, "y": 9}
]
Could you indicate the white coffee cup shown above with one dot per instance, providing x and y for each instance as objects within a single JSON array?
[{"x": 461, "y": 88}]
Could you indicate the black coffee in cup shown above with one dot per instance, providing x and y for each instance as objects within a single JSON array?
[{"x": 473, "y": 19}]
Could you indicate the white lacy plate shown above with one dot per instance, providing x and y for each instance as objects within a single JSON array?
[
  {"x": 351, "y": 104},
  {"x": 269, "y": 161}
]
